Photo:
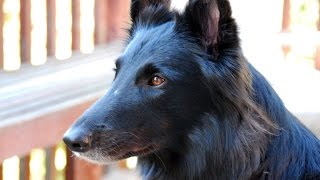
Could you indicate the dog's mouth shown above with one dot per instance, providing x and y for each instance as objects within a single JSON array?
[{"x": 117, "y": 151}]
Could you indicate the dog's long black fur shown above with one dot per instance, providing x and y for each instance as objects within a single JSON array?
[{"x": 213, "y": 116}]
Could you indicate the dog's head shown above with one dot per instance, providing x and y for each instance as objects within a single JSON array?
[{"x": 161, "y": 84}]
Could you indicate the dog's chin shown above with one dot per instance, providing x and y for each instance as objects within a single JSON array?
[
  {"x": 95, "y": 158},
  {"x": 105, "y": 157}
]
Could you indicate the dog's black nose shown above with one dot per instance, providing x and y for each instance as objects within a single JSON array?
[{"x": 78, "y": 141}]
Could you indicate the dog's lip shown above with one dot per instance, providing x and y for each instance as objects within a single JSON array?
[{"x": 119, "y": 155}]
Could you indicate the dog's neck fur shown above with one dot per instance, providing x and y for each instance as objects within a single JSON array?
[
  {"x": 218, "y": 150},
  {"x": 210, "y": 161}
]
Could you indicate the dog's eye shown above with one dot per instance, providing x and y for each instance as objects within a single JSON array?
[{"x": 156, "y": 81}]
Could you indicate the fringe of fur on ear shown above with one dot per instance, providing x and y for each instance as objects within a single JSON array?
[
  {"x": 151, "y": 15},
  {"x": 138, "y": 6}
]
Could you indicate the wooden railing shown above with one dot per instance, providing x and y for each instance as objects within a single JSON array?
[
  {"x": 41, "y": 106},
  {"x": 38, "y": 104},
  {"x": 36, "y": 115},
  {"x": 111, "y": 17}
]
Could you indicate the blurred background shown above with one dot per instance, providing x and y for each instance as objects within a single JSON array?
[{"x": 56, "y": 59}]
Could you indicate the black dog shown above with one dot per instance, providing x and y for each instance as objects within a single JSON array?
[{"x": 189, "y": 105}]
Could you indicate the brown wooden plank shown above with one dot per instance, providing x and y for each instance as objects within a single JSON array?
[
  {"x": 117, "y": 18},
  {"x": 50, "y": 166},
  {"x": 25, "y": 168},
  {"x": 1, "y": 172},
  {"x": 1, "y": 36},
  {"x": 25, "y": 32},
  {"x": 51, "y": 27},
  {"x": 100, "y": 18},
  {"x": 76, "y": 24}
]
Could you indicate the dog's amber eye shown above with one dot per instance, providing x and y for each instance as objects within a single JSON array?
[{"x": 156, "y": 81}]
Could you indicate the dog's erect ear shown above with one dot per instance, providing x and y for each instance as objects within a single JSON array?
[
  {"x": 137, "y": 6},
  {"x": 211, "y": 22}
]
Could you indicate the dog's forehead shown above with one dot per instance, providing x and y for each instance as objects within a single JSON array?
[{"x": 150, "y": 42}]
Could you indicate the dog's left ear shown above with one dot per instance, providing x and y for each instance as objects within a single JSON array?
[
  {"x": 137, "y": 6},
  {"x": 211, "y": 22}
]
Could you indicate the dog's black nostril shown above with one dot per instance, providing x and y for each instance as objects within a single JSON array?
[
  {"x": 80, "y": 146},
  {"x": 102, "y": 126},
  {"x": 78, "y": 143}
]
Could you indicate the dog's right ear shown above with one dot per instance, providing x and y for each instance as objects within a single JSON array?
[
  {"x": 137, "y": 6},
  {"x": 211, "y": 22}
]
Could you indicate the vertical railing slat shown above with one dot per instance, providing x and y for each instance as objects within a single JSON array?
[
  {"x": 100, "y": 18},
  {"x": 318, "y": 22},
  {"x": 25, "y": 168},
  {"x": 70, "y": 166},
  {"x": 1, "y": 172},
  {"x": 286, "y": 18},
  {"x": 75, "y": 24},
  {"x": 110, "y": 19},
  {"x": 1, "y": 36},
  {"x": 25, "y": 30},
  {"x": 113, "y": 7},
  {"x": 117, "y": 16},
  {"x": 286, "y": 24},
  {"x": 50, "y": 166},
  {"x": 51, "y": 27},
  {"x": 317, "y": 58}
]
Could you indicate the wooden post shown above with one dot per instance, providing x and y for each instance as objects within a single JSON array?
[
  {"x": 1, "y": 39},
  {"x": 286, "y": 24},
  {"x": 51, "y": 27},
  {"x": 75, "y": 24},
  {"x": 100, "y": 20},
  {"x": 25, "y": 168},
  {"x": 26, "y": 27}
]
